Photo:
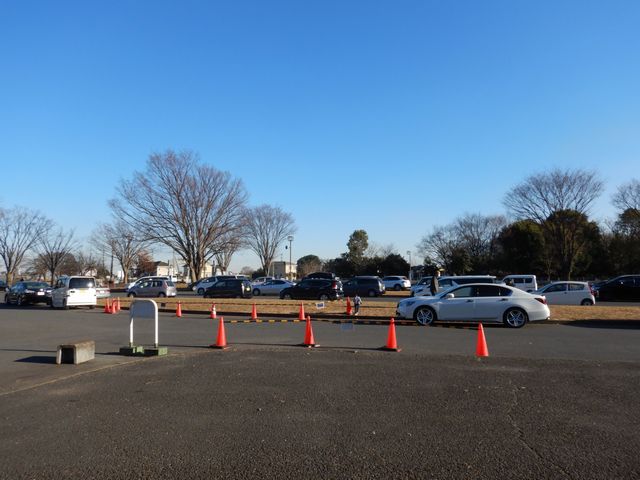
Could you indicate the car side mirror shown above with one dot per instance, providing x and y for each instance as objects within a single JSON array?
[{"x": 449, "y": 295}]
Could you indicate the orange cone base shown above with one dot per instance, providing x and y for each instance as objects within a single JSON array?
[
  {"x": 219, "y": 347},
  {"x": 388, "y": 349},
  {"x": 309, "y": 345}
]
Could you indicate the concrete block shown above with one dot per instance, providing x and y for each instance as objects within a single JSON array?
[
  {"x": 155, "y": 351},
  {"x": 76, "y": 352},
  {"x": 132, "y": 350}
]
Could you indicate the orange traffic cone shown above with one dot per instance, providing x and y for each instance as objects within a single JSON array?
[
  {"x": 107, "y": 306},
  {"x": 214, "y": 315},
  {"x": 392, "y": 344},
  {"x": 481, "y": 345},
  {"x": 221, "y": 341},
  {"x": 179, "y": 310},
  {"x": 301, "y": 312},
  {"x": 114, "y": 307},
  {"x": 348, "y": 306},
  {"x": 119, "y": 306},
  {"x": 254, "y": 312},
  {"x": 308, "y": 335}
]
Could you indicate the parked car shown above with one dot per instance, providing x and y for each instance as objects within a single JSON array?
[
  {"x": 261, "y": 280},
  {"x": 102, "y": 292},
  {"x": 271, "y": 287},
  {"x": 323, "y": 275},
  {"x": 528, "y": 283},
  {"x": 396, "y": 282},
  {"x": 153, "y": 288},
  {"x": 229, "y": 288},
  {"x": 477, "y": 302},
  {"x": 144, "y": 279},
  {"x": 423, "y": 285},
  {"x": 364, "y": 286},
  {"x": 3, "y": 285},
  {"x": 625, "y": 288},
  {"x": 567, "y": 293},
  {"x": 314, "y": 288},
  {"x": 205, "y": 283},
  {"x": 446, "y": 282},
  {"x": 23, "y": 293},
  {"x": 74, "y": 291}
]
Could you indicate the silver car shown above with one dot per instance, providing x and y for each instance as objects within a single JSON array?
[
  {"x": 153, "y": 288},
  {"x": 477, "y": 302},
  {"x": 271, "y": 287}
]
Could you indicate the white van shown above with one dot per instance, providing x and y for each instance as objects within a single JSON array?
[
  {"x": 527, "y": 283},
  {"x": 447, "y": 282},
  {"x": 74, "y": 292}
]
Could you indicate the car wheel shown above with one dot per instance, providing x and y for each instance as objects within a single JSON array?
[
  {"x": 372, "y": 293},
  {"x": 91, "y": 307},
  {"x": 397, "y": 288},
  {"x": 323, "y": 296},
  {"x": 161, "y": 295},
  {"x": 425, "y": 315},
  {"x": 256, "y": 292},
  {"x": 19, "y": 301},
  {"x": 285, "y": 296},
  {"x": 201, "y": 291},
  {"x": 515, "y": 318},
  {"x": 587, "y": 302},
  {"x": 131, "y": 295},
  {"x": 64, "y": 304}
]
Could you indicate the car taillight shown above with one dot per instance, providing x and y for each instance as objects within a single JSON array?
[
  {"x": 542, "y": 300},
  {"x": 334, "y": 285}
]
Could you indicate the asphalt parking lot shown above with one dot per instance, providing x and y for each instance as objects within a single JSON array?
[{"x": 552, "y": 401}]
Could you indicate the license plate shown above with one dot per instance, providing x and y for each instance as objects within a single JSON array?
[{"x": 40, "y": 293}]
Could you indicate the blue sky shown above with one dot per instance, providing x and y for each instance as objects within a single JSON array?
[{"x": 388, "y": 116}]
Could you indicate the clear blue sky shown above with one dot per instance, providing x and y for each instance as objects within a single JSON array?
[{"x": 390, "y": 116}]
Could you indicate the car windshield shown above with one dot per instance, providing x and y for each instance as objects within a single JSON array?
[
  {"x": 36, "y": 285},
  {"x": 81, "y": 283}
]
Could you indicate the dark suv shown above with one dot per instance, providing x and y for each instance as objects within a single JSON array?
[
  {"x": 28, "y": 292},
  {"x": 365, "y": 286},
  {"x": 622, "y": 288},
  {"x": 230, "y": 288},
  {"x": 314, "y": 288}
]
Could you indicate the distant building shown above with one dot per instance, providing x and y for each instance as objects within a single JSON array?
[
  {"x": 285, "y": 270},
  {"x": 161, "y": 269}
]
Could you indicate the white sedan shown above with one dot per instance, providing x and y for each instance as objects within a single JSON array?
[
  {"x": 567, "y": 293},
  {"x": 477, "y": 302},
  {"x": 271, "y": 287},
  {"x": 396, "y": 282}
]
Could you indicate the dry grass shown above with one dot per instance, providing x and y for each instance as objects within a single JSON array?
[{"x": 378, "y": 309}]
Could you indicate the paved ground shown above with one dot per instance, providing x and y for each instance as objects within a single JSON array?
[{"x": 553, "y": 401}]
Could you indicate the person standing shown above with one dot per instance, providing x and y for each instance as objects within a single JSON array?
[
  {"x": 357, "y": 301},
  {"x": 435, "y": 285}
]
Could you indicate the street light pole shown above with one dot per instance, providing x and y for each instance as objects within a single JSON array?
[
  {"x": 409, "y": 253},
  {"x": 290, "y": 238}
]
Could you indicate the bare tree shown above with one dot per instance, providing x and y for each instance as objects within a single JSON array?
[
  {"x": 123, "y": 241},
  {"x": 87, "y": 263},
  {"x": 541, "y": 195},
  {"x": 20, "y": 230},
  {"x": 440, "y": 246},
  {"x": 267, "y": 228},
  {"x": 551, "y": 199},
  {"x": 478, "y": 233},
  {"x": 179, "y": 202},
  {"x": 627, "y": 198},
  {"x": 226, "y": 251},
  {"x": 55, "y": 247}
]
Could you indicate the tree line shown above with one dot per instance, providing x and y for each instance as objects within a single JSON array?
[{"x": 203, "y": 215}]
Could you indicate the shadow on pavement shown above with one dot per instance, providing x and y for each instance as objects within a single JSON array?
[
  {"x": 38, "y": 359},
  {"x": 616, "y": 324}
]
